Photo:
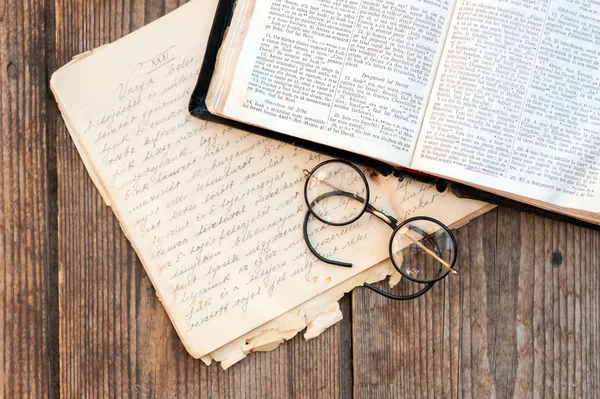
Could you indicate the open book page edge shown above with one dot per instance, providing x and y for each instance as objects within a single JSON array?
[
  {"x": 586, "y": 216},
  {"x": 228, "y": 56},
  {"x": 467, "y": 219}
]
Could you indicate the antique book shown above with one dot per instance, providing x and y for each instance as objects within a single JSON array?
[
  {"x": 215, "y": 213},
  {"x": 501, "y": 95}
]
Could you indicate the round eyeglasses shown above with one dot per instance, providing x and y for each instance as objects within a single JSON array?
[{"x": 422, "y": 249}]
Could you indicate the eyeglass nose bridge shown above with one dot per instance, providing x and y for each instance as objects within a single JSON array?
[{"x": 387, "y": 219}]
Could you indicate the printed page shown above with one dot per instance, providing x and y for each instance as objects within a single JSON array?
[
  {"x": 516, "y": 103},
  {"x": 352, "y": 74},
  {"x": 214, "y": 214}
]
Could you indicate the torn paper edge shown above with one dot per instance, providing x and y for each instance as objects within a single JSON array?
[{"x": 316, "y": 315}]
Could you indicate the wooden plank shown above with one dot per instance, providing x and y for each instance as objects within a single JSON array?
[
  {"x": 520, "y": 321},
  {"x": 116, "y": 339},
  {"x": 24, "y": 210}
]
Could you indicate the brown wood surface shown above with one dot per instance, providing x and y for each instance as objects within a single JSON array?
[
  {"x": 79, "y": 317},
  {"x": 24, "y": 207},
  {"x": 517, "y": 323}
]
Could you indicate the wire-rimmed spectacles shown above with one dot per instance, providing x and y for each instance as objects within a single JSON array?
[{"x": 422, "y": 249}]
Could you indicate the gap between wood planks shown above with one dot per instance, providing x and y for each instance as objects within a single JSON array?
[{"x": 52, "y": 119}]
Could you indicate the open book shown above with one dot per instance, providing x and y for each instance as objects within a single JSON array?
[
  {"x": 501, "y": 95},
  {"x": 215, "y": 214}
]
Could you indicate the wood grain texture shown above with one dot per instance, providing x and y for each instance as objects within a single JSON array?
[
  {"x": 24, "y": 233},
  {"x": 520, "y": 321},
  {"x": 115, "y": 337}
]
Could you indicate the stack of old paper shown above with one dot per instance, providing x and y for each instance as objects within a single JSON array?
[{"x": 215, "y": 214}]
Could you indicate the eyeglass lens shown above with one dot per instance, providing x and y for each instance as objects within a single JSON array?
[
  {"x": 336, "y": 193},
  {"x": 422, "y": 250}
]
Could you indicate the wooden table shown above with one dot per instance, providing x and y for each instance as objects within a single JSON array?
[{"x": 80, "y": 317}]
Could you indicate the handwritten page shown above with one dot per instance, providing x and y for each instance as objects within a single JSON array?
[{"x": 214, "y": 214}]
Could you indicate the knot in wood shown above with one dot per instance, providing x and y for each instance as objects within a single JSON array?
[
  {"x": 11, "y": 70},
  {"x": 556, "y": 258}
]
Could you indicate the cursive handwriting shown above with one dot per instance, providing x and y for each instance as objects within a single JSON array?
[{"x": 218, "y": 211}]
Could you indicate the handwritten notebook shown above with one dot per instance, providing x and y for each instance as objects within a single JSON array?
[{"x": 214, "y": 213}]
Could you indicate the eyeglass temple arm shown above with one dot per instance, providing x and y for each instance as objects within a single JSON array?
[
  {"x": 389, "y": 220},
  {"x": 399, "y": 297},
  {"x": 313, "y": 250}
]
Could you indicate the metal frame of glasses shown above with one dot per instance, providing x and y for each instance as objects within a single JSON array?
[{"x": 422, "y": 249}]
